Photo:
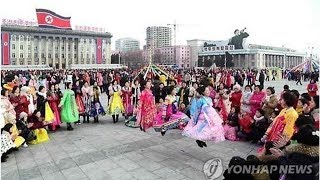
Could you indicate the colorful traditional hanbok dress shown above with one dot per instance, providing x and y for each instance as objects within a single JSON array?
[
  {"x": 69, "y": 112},
  {"x": 127, "y": 103},
  {"x": 132, "y": 122},
  {"x": 53, "y": 100},
  {"x": 282, "y": 125},
  {"x": 96, "y": 107},
  {"x": 205, "y": 123},
  {"x": 147, "y": 110},
  {"x": 78, "y": 94},
  {"x": 116, "y": 105},
  {"x": 87, "y": 97},
  {"x": 169, "y": 117}
]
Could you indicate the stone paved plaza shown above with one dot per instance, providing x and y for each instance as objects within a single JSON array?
[{"x": 114, "y": 151}]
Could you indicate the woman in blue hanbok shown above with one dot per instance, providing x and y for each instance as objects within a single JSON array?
[{"x": 205, "y": 123}]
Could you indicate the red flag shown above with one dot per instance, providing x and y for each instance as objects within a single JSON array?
[
  {"x": 49, "y": 19},
  {"x": 5, "y": 39},
  {"x": 99, "y": 51}
]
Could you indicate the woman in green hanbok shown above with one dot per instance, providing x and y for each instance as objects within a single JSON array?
[{"x": 69, "y": 109}]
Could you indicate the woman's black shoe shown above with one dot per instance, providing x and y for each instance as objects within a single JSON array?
[
  {"x": 204, "y": 144},
  {"x": 3, "y": 159},
  {"x": 163, "y": 133},
  {"x": 199, "y": 143}
]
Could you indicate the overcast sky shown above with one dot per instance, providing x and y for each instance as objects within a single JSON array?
[{"x": 292, "y": 23}]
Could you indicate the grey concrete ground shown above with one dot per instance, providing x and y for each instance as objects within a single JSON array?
[{"x": 114, "y": 151}]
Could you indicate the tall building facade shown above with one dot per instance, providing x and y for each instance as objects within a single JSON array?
[
  {"x": 127, "y": 45},
  {"x": 181, "y": 57},
  {"x": 55, "y": 47},
  {"x": 158, "y": 37}
]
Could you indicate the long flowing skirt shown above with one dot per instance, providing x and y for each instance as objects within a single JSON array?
[
  {"x": 116, "y": 105},
  {"x": 42, "y": 136},
  {"x": 56, "y": 112},
  {"x": 208, "y": 126},
  {"x": 174, "y": 121},
  {"x": 97, "y": 109},
  {"x": 131, "y": 122},
  {"x": 80, "y": 104}
]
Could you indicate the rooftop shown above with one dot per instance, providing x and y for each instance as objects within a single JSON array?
[{"x": 35, "y": 29}]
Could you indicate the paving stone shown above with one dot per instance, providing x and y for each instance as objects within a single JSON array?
[
  {"x": 117, "y": 172},
  {"x": 82, "y": 159},
  {"x": 11, "y": 174},
  {"x": 107, "y": 164},
  {"x": 173, "y": 164},
  {"x": 192, "y": 173},
  {"x": 127, "y": 164},
  {"x": 26, "y": 174},
  {"x": 73, "y": 173},
  {"x": 54, "y": 176},
  {"x": 167, "y": 173},
  {"x": 143, "y": 174},
  {"x": 48, "y": 168},
  {"x": 65, "y": 163},
  {"x": 149, "y": 164}
]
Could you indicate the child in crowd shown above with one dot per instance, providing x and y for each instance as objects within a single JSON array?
[
  {"x": 232, "y": 124},
  {"x": 245, "y": 122},
  {"x": 274, "y": 114},
  {"x": 260, "y": 126}
]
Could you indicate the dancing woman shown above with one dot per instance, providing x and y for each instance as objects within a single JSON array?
[
  {"x": 87, "y": 93},
  {"x": 127, "y": 100},
  {"x": 96, "y": 107},
  {"x": 115, "y": 105},
  {"x": 78, "y": 93},
  {"x": 147, "y": 109},
  {"x": 53, "y": 99},
  {"x": 205, "y": 123},
  {"x": 169, "y": 117},
  {"x": 69, "y": 112}
]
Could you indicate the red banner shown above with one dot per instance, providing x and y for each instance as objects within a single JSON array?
[
  {"x": 5, "y": 39},
  {"x": 99, "y": 51},
  {"x": 49, "y": 19}
]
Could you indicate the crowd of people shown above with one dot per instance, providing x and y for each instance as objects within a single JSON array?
[{"x": 212, "y": 105}]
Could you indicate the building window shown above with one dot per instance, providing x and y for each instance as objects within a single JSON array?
[
  {"x": 49, "y": 55},
  {"x": 92, "y": 56},
  {"x": 42, "y": 55},
  {"x": 13, "y": 46},
  {"x": 21, "y": 55},
  {"x": 29, "y": 47},
  {"x": 62, "y": 47},
  {"x": 29, "y": 55},
  {"x": 21, "y": 47},
  {"x": 56, "y": 55},
  {"x": 56, "y": 47},
  {"x": 75, "y": 55},
  {"x": 35, "y": 55},
  {"x": 35, "y": 48},
  {"x": 62, "y": 55},
  {"x": 87, "y": 56},
  {"x": 13, "y": 55},
  {"x": 75, "y": 47}
]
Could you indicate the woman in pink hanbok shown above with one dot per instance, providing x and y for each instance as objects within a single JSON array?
[
  {"x": 169, "y": 117},
  {"x": 127, "y": 100},
  {"x": 222, "y": 101},
  {"x": 205, "y": 123},
  {"x": 257, "y": 99},
  {"x": 53, "y": 100},
  {"x": 147, "y": 109}
]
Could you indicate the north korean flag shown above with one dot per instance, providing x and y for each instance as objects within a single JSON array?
[
  {"x": 49, "y": 19},
  {"x": 5, "y": 39},
  {"x": 99, "y": 51}
]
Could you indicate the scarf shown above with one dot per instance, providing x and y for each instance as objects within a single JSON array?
[{"x": 43, "y": 94}]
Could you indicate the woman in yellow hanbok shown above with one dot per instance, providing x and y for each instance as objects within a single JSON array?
[
  {"x": 11, "y": 119},
  {"x": 38, "y": 125},
  {"x": 115, "y": 105}
]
